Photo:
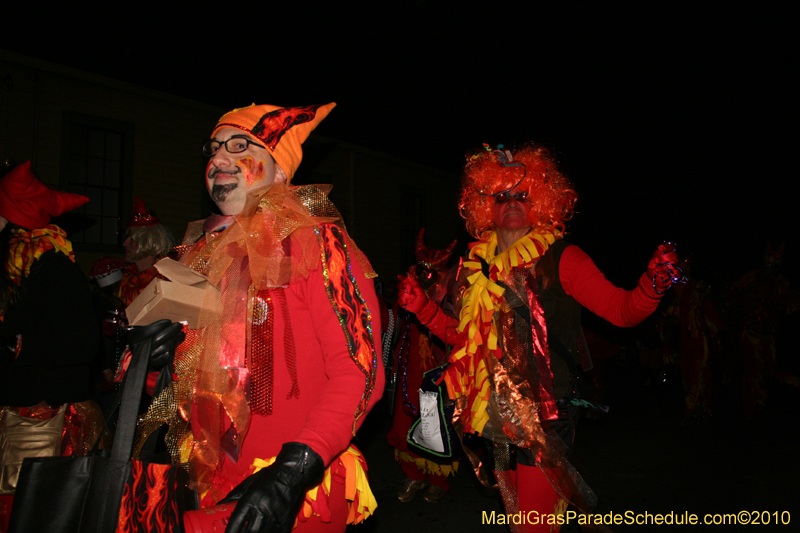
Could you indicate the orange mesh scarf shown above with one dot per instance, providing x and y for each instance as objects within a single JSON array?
[{"x": 249, "y": 256}]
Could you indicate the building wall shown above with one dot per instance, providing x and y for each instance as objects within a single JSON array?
[
  {"x": 372, "y": 191},
  {"x": 383, "y": 198}
]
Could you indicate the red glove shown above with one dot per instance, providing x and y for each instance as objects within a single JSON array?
[
  {"x": 663, "y": 268},
  {"x": 411, "y": 297}
]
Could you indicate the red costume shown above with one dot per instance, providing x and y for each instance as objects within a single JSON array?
[
  {"x": 416, "y": 353},
  {"x": 146, "y": 239},
  {"x": 48, "y": 333},
  {"x": 285, "y": 353},
  {"x": 513, "y": 370},
  {"x": 581, "y": 282}
]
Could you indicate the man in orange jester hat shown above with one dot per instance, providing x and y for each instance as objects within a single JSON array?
[{"x": 270, "y": 391}]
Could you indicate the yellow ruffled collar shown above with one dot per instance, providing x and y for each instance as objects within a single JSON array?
[
  {"x": 482, "y": 297},
  {"x": 523, "y": 252}
]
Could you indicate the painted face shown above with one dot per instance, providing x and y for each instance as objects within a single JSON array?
[
  {"x": 513, "y": 213},
  {"x": 229, "y": 176}
]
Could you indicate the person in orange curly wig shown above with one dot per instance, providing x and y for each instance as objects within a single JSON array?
[
  {"x": 490, "y": 174},
  {"x": 514, "y": 369}
]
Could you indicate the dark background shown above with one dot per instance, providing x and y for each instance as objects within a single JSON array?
[{"x": 675, "y": 122}]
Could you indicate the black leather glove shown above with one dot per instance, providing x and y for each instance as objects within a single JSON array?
[
  {"x": 166, "y": 336},
  {"x": 269, "y": 500}
]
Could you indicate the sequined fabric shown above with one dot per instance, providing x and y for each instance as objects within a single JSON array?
[
  {"x": 214, "y": 365},
  {"x": 350, "y": 307},
  {"x": 262, "y": 354}
]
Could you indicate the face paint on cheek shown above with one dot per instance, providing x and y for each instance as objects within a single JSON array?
[{"x": 253, "y": 172}]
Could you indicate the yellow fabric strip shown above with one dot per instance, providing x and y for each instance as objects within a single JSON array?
[
  {"x": 356, "y": 486},
  {"x": 523, "y": 252},
  {"x": 467, "y": 375},
  {"x": 426, "y": 465}
]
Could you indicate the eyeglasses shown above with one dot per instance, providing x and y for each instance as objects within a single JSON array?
[
  {"x": 239, "y": 145},
  {"x": 503, "y": 197}
]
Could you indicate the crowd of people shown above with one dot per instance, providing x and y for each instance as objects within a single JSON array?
[
  {"x": 714, "y": 349},
  {"x": 294, "y": 349}
]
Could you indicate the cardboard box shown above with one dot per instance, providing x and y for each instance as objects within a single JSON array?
[{"x": 180, "y": 299}]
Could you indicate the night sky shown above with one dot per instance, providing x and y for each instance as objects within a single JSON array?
[{"x": 676, "y": 124}]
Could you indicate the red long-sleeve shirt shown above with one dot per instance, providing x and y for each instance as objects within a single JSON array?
[{"x": 581, "y": 280}]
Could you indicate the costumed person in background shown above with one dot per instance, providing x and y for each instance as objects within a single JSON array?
[
  {"x": 515, "y": 360},
  {"x": 270, "y": 391},
  {"x": 106, "y": 274},
  {"x": 49, "y": 337},
  {"x": 146, "y": 241},
  {"x": 417, "y": 352},
  {"x": 761, "y": 301},
  {"x": 690, "y": 329}
]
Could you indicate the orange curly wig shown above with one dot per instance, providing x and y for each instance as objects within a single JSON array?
[{"x": 549, "y": 191}]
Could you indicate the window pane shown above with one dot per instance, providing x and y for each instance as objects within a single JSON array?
[
  {"x": 109, "y": 231},
  {"x": 96, "y": 167},
  {"x": 95, "y": 205},
  {"x": 113, "y": 146},
  {"x": 111, "y": 203},
  {"x": 112, "y": 174},
  {"x": 92, "y": 233},
  {"x": 97, "y": 143},
  {"x": 77, "y": 169},
  {"x": 78, "y": 136}
]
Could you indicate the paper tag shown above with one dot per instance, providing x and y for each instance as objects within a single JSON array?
[{"x": 428, "y": 433}]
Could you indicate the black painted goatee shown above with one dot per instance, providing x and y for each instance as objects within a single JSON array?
[{"x": 219, "y": 193}]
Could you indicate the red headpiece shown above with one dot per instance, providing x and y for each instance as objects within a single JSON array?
[
  {"x": 29, "y": 203},
  {"x": 431, "y": 257},
  {"x": 140, "y": 217},
  {"x": 107, "y": 270}
]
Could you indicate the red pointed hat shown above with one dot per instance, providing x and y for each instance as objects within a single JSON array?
[
  {"x": 29, "y": 203},
  {"x": 436, "y": 259},
  {"x": 140, "y": 217},
  {"x": 282, "y": 129}
]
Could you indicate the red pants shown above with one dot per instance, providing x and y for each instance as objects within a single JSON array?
[{"x": 538, "y": 502}]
